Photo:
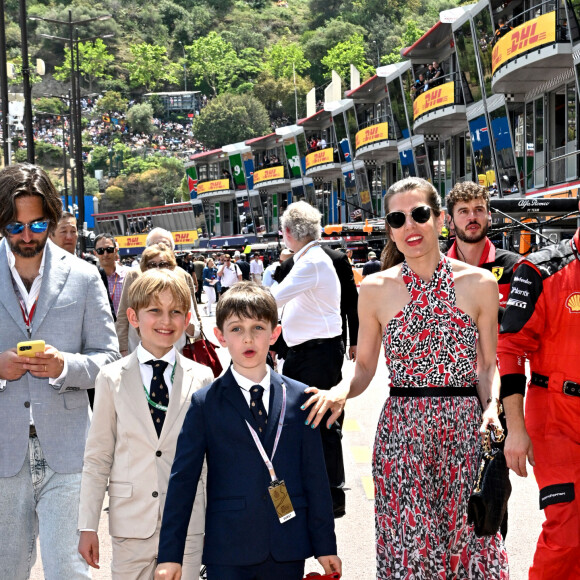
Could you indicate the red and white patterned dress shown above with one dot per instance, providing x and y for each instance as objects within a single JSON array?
[{"x": 426, "y": 448}]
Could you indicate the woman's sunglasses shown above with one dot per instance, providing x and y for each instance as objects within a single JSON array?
[
  {"x": 37, "y": 227},
  {"x": 421, "y": 215},
  {"x": 152, "y": 265}
]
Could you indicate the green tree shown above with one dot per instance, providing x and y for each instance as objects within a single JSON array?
[
  {"x": 286, "y": 58},
  {"x": 140, "y": 118},
  {"x": 411, "y": 33},
  {"x": 49, "y": 105},
  {"x": 213, "y": 61},
  {"x": 231, "y": 118},
  {"x": 351, "y": 51},
  {"x": 151, "y": 67},
  {"x": 277, "y": 95},
  {"x": 112, "y": 101},
  {"x": 94, "y": 61}
]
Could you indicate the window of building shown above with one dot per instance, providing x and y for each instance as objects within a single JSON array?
[
  {"x": 401, "y": 127},
  {"x": 465, "y": 50}
]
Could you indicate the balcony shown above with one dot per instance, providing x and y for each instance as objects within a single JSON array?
[
  {"x": 534, "y": 52},
  {"x": 272, "y": 178},
  {"x": 376, "y": 140},
  {"x": 220, "y": 189},
  {"x": 323, "y": 163},
  {"x": 440, "y": 110}
]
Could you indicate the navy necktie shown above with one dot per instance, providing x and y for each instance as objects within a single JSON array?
[
  {"x": 258, "y": 409},
  {"x": 158, "y": 393}
]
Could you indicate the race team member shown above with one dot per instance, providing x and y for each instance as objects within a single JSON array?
[
  {"x": 541, "y": 324},
  {"x": 468, "y": 209}
]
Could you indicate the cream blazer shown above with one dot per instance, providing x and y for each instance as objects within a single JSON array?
[{"x": 123, "y": 450}]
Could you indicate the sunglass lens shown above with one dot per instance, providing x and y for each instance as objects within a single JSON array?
[
  {"x": 421, "y": 214},
  {"x": 14, "y": 228},
  {"x": 38, "y": 227},
  {"x": 396, "y": 219}
]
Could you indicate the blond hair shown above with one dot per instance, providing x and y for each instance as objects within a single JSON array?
[
  {"x": 151, "y": 284},
  {"x": 157, "y": 251}
]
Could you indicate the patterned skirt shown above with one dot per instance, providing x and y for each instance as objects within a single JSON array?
[{"x": 424, "y": 464}]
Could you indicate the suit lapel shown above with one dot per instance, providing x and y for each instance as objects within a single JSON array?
[
  {"x": 132, "y": 385},
  {"x": 56, "y": 270},
  {"x": 181, "y": 392},
  {"x": 275, "y": 406},
  {"x": 7, "y": 294},
  {"x": 233, "y": 394}
]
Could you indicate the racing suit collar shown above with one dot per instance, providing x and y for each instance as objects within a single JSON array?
[{"x": 487, "y": 256}]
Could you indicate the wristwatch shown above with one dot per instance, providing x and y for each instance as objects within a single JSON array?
[{"x": 497, "y": 402}]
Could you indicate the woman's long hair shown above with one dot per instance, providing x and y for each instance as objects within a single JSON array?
[{"x": 391, "y": 256}]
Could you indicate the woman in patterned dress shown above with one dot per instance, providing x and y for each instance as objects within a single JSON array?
[{"x": 437, "y": 320}]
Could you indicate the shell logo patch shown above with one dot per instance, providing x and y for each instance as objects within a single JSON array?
[
  {"x": 497, "y": 271},
  {"x": 573, "y": 302}
]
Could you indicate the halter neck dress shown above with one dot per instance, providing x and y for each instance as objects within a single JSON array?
[{"x": 426, "y": 448}]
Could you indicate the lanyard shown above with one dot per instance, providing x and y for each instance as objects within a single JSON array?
[
  {"x": 258, "y": 443},
  {"x": 27, "y": 317},
  {"x": 153, "y": 403},
  {"x": 114, "y": 285},
  {"x": 308, "y": 250}
]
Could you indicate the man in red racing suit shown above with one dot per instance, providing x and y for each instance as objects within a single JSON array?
[{"x": 542, "y": 324}]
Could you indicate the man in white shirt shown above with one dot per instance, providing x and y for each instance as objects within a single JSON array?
[
  {"x": 229, "y": 273},
  {"x": 256, "y": 269},
  {"x": 312, "y": 325}
]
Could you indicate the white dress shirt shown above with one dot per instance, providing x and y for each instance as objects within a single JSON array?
[
  {"x": 310, "y": 297},
  {"x": 143, "y": 355},
  {"x": 246, "y": 384}
]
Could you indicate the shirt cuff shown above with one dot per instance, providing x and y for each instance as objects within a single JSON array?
[{"x": 60, "y": 379}]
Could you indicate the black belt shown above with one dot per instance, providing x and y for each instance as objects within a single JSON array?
[
  {"x": 568, "y": 387},
  {"x": 315, "y": 341},
  {"x": 32, "y": 432},
  {"x": 433, "y": 392}
]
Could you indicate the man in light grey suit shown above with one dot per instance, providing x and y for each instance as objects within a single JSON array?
[{"x": 45, "y": 294}]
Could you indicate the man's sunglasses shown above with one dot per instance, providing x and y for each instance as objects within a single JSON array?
[
  {"x": 36, "y": 227},
  {"x": 421, "y": 215},
  {"x": 152, "y": 265},
  {"x": 109, "y": 250}
]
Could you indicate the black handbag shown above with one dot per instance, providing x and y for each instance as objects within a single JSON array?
[{"x": 489, "y": 498}]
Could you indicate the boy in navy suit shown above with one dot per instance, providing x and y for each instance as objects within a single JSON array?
[{"x": 268, "y": 501}]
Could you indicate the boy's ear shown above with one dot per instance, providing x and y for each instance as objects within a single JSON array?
[
  {"x": 188, "y": 318},
  {"x": 220, "y": 336},
  {"x": 133, "y": 318},
  {"x": 275, "y": 334}
]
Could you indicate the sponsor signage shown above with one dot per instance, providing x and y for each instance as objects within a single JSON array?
[
  {"x": 528, "y": 36},
  {"x": 237, "y": 171},
  {"x": 138, "y": 241},
  {"x": 320, "y": 157},
  {"x": 292, "y": 157},
  {"x": 268, "y": 174},
  {"x": 215, "y": 185},
  {"x": 441, "y": 96},
  {"x": 371, "y": 134},
  {"x": 192, "y": 181}
]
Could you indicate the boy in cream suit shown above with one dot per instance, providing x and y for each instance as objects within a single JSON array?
[{"x": 140, "y": 405}]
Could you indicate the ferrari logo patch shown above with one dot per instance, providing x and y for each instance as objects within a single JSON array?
[{"x": 497, "y": 271}]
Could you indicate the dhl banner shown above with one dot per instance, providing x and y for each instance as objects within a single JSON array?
[
  {"x": 441, "y": 96},
  {"x": 531, "y": 34},
  {"x": 268, "y": 174},
  {"x": 371, "y": 134},
  {"x": 320, "y": 157},
  {"x": 138, "y": 241},
  {"x": 215, "y": 185}
]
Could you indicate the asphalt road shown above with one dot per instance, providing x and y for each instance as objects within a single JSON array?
[{"x": 355, "y": 531}]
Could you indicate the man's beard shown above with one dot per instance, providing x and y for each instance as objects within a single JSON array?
[
  {"x": 27, "y": 252},
  {"x": 475, "y": 238}
]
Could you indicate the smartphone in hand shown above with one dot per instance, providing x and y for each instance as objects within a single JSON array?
[{"x": 30, "y": 347}]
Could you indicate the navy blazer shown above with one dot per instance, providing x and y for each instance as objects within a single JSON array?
[{"x": 242, "y": 527}]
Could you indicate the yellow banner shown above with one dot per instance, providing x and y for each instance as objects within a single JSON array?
[
  {"x": 371, "y": 134},
  {"x": 138, "y": 241},
  {"x": 441, "y": 96},
  {"x": 216, "y": 185},
  {"x": 365, "y": 196},
  {"x": 320, "y": 157},
  {"x": 268, "y": 174},
  {"x": 527, "y": 36}
]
